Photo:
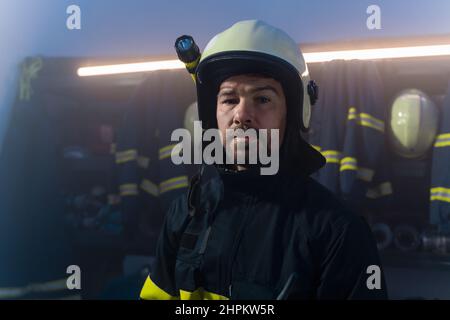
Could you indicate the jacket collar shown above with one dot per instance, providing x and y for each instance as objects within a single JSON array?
[{"x": 250, "y": 181}]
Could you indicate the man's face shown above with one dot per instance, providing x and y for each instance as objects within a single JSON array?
[{"x": 250, "y": 101}]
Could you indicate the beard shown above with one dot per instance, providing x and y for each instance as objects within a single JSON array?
[{"x": 245, "y": 145}]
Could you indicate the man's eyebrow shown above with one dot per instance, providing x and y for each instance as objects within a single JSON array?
[
  {"x": 226, "y": 91},
  {"x": 230, "y": 91},
  {"x": 268, "y": 87}
]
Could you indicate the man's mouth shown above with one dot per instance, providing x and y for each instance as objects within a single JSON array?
[{"x": 244, "y": 139}]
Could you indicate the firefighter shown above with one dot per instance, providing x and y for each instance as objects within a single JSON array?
[
  {"x": 244, "y": 235},
  {"x": 440, "y": 173}
]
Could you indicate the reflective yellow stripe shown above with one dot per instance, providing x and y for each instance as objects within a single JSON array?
[
  {"x": 124, "y": 156},
  {"x": 330, "y": 153},
  {"x": 17, "y": 292},
  {"x": 442, "y": 144},
  {"x": 440, "y": 194},
  {"x": 331, "y": 160},
  {"x": 174, "y": 183},
  {"x": 440, "y": 198},
  {"x": 349, "y": 163},
  {"x": 440, "y": 190},
  {"x": 374, "y": 120},
  {"x": 150, "y": 291},
  {"x": 201, "y": 294},
  {"x": 379, "y": 191},
  {"x": 367, "y": 123},
  {"x": 316, "y": 147},
  {"x": 150, "y": 187},
  {"x": 128, "y": 155},
  {"x": 370, "y": 125},
  {"x": 365, "y": 119},
  {"x": 186, "y": 295},
  {"x": 348, "y": 167},
  {"x": 331, "y": 156},
  {"x": 129, "y": 189},
  {"x": 166, "y": 151},
  {"x": 349, "y": 160},
  {"x": 443, "y": 136},
  {"x": 442, "y": 140},
  {"x": 143, "y": 162}
]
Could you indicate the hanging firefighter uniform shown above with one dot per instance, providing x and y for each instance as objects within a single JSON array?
[
  {"x": 440, "y": 178},
  {"x": 147, "y": 179},
  {"x": 35, "y": 250},
  {"x": 348, "y": 129}
]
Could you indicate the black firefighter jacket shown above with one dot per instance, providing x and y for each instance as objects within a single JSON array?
[{"x": 264, "y": 237}]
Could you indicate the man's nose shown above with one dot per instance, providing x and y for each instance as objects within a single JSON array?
[{"x": 243, "y": 113}]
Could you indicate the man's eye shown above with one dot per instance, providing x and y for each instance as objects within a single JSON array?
[
  {"x": 263, "y": 99},
  {"x": 230, "y": 101}
]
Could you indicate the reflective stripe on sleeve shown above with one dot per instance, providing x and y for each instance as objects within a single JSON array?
[
  {"x": 349, "y": 163},
  {"x": 442, "y": 140},
  {"x": 150, "y": 291},
  {"x": 365, "y": 119},
  {"x": 331, "y": 156},
  {"x": 129, "y": 189},
  {"x": 440, "y": 194},
  {"x": 174, "y": 183},
  {"x": 125, "y": 156},
  {"x": 166, "y": 151}
]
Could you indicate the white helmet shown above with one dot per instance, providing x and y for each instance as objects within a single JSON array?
[
  {"x": 253, "y": 46},
  {"x": 413, "y": 123}
]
